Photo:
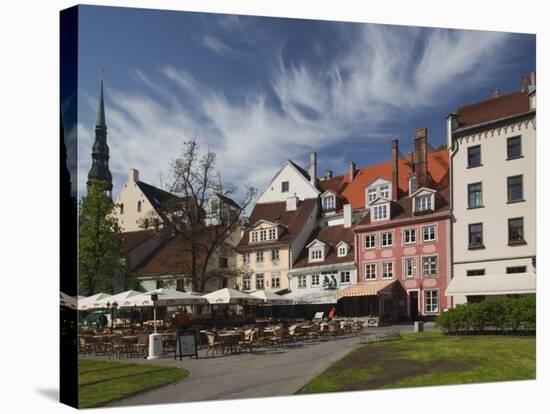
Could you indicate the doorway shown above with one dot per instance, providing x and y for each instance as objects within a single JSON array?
[{"x": 413, "y": 305}]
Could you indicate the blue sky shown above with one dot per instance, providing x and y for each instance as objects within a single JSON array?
[{"x": 258, "y": 91}]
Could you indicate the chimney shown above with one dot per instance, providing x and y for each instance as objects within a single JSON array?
[
  {"x": 421, "y": 156},
  {"x": 133, "y": 175},
  {"x": 292, "y": 203},
  {"x": 528, "y": 82},
  {"x": 313, "y": 167},
  {"x": 410, "y": 161},
  {"x": 347, "y": 216},
  {"x": 395, "y": 168},
  {"x": 328, "y": 174},
  {"x": 496, "y": 93},
  {"x": 352, "y": 170}
]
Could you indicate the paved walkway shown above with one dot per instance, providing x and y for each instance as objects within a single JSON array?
[{"x": 250, "y": 375}]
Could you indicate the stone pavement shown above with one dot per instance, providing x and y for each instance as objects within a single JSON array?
[{"x": 267, "y": 373}]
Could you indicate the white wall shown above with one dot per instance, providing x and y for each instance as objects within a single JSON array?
[
  {"x": 298, "y": 185},
  {"x": 130, "y": 196}
]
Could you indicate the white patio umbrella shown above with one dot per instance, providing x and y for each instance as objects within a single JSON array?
[
  {"x": 90, "y": 302},
  {"x": 231, "y": 296},
  {"x": 66, "y": 300},
  {"x": 166, "y": 297},
  {"x": 271, "y": 298},
  {"x": 118, "y": 298}
]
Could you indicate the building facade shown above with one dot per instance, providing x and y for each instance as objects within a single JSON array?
[
  {"x": 403, "y": 243},
  {"x": 492, "y": 147}
]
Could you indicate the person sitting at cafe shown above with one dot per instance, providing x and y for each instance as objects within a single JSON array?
[{"x": 183, "y": 319}]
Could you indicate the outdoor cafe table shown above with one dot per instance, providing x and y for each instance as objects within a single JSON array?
[{"x": 230, "y": 339}]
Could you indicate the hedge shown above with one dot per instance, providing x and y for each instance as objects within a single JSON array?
[{"x": 517, "y": 315}]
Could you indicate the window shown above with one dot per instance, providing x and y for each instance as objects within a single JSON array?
[
  {"x": 272, "y": 234},
  {"x": 385, "y": 191},
  {"x": 516, "y": 269},
  {"x": 515, "y": 188},
  {"x": 315, "y": 280},
  {"x": 370, "y": 241},
  {"x": 222, "y": 262},
  {"x": 329, "y": 203},
  {"x": 380, "y": 212},
  {"x": 254, "y": 236},
  {"x": 409, "y": 236},
  {"x": 412, "y": 185},
  {"x": 409, "y": 267},
  {"x": 370, "y": 271},
  {"x": 371, "y": 194},
  {"x": 345, "y": 277},
  {"x": 514, "y": 147},
  {"x": 475, "y": 235},
  {"x": 387, "y": 270},
  {"x": 475, "y": 272},
  {"x": 139, "y": 207},
  {"x": 302, "y": 282},
  {"x": 423, "y": 203},
  {"x": 475, "y": 298},
  {"x": 259, "y": 256},
  {"x": 474, "y": 195},
  {"x": 275, "y": 280},
  {"x": 284, "y": 187},
  {"x": 259, "y": 280},
  {"x": 431, "y": 300},
  {"x": 246, "y": 258},
  {"x": 429, "y": 266},
  {"x": 428, "y": 233},
  {"x": 474, "y": 156},
  {"x": 342, "y": 250},
  {"x": 274, "y": 255},
  {"x": 263, "y": 235},
  {"x": 515, "y": 231},
  {"x": 246, "y": 282},
  {"x": 316, "y": 254},
  {"x": 121, "y": 208},
  {"x": 387, "y": 239}
]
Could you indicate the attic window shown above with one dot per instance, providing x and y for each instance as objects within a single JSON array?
[
  {"x": 412, "y": 185},
  {"x": 342, "y": 250},
  {"x": 385, "y": 191},
  {"x": 372, "y": 194},
  {"x": 139, "y": 207},
  {"x": 423, "y": 203},
  {"x": 380, "y": 212},
  {"x": 284, "y": 187},
  {"x": 329, "y": 203},
  {"x": 316, "y": 254},
  {"x": 121, "y": 208}
]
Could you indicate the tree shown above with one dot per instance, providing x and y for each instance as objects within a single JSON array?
[
  {"x": 101, "y": 258},
  {"x": 441, "y": 147},
  {"x": 197, "y": 217}
]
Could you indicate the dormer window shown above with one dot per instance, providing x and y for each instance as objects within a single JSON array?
[
  {"x": 342, "y": 249},
  {"x": 316, "y": 254},
  {"x": 385, "y": 191},
  {"x": 372, "y": 194},
  {"x": 423, "y": 203},
  {"x": 412, "y": 185},
  {"x": 329, "y": 203},
  {"x": 263, "y": 235},
  {"x": 380, "y": 212}
]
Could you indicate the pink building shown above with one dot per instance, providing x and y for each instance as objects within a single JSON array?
[{"x": 403, "y": 243}]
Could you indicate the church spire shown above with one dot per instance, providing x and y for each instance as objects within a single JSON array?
[{"x": 100, "y": 150}]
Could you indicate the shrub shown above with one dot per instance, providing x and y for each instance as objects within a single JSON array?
[{"x": 499, "y": 315}]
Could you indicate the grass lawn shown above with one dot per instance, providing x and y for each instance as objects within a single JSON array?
[
  {"x": 100, "y": 382},
  {"x": 423, "y": 359}
]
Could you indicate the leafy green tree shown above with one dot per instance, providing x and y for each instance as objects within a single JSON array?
[{"x": 101, "y": 258}]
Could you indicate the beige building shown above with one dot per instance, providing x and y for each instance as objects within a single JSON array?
[
  {"x": 492, "y": 146},
  {"x": 137, "y": 206}
]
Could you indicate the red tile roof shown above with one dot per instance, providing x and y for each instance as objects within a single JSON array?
[
  {"x": 354, "y": 192},
  {"x": 331, "y": 236},
  {"x": 291, "y": 222},
  {"x": 492, "y": 109},
  {"x": 334, "y": 184}
]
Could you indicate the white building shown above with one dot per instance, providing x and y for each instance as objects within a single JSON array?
[{"x": 492, "y": 146}]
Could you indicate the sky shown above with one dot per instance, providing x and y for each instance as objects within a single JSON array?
[{"x": 258, "y": 91}]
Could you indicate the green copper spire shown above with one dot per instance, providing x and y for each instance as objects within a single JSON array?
[{"x": 100, "y": 121}]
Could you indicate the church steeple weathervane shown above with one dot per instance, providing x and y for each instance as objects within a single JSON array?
[{"x": 100, "y": 150}]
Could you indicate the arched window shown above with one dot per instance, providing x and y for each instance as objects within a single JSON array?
[
  {"x": 139, "y": 206},
  {"x": 121, "y": 208}
]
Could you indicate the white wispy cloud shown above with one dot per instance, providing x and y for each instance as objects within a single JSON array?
[{"x": 381, "y": 75}]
